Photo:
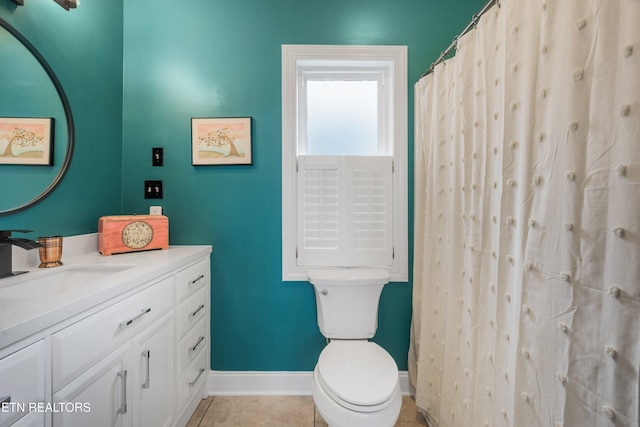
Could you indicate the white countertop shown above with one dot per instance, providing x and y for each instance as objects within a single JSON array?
[{"x": 28, "y": 308}]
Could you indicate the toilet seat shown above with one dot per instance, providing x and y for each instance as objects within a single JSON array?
[{"x": 358, "y": 375}]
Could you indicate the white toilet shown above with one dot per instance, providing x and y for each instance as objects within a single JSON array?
[{"x": 355, "y": 382}]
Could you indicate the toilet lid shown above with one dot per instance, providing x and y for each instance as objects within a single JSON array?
[{"x": 358, "y": 372}]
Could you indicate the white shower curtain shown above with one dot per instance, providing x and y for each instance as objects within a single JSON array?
[{"x": 526, "y": 307}]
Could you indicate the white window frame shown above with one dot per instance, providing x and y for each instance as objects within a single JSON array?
[{"x": 390, "y": 61}]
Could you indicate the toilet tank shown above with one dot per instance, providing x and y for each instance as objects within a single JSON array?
[{"x": 347, "y": 301}]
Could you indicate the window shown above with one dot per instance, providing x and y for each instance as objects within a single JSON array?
[
  {"x": 342, "y": 117},
  {"x": 344, "y": 164}
]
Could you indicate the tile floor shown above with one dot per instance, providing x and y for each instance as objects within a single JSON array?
[{"x": 277, "y": 411}]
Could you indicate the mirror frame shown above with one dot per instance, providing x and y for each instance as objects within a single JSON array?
[{"x": 67, "y": 112}]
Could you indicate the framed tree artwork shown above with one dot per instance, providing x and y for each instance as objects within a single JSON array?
[
  {"x": 221, "y": 141},
  {"x": 26, "y": 141}
]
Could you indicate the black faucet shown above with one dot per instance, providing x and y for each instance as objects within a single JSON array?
[{"x": 6, "y": 241}]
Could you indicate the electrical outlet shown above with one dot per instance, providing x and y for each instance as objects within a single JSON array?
[
  {"x": 153, "y": 189},
  {"x": 157, "y": 156},
  {"x": 155, "y": 210}
]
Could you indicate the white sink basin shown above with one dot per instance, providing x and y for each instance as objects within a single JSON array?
[{"x": 59, "y": 280}]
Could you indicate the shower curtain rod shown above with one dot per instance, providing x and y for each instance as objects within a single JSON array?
[{"x": 454, "y": 43}]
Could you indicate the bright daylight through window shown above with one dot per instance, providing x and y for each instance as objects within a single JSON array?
[{"x": 342, "y": 117}]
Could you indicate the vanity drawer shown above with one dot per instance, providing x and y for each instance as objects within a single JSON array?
[
  {"x": 21, "y": 382},
  {"x": 80, "y": 345},
  {"x": 192, "y": 379},
  {"x": 191, "y": 279},
  {"x": 191, "y": 311},
  {"x": 191, "y": 345}
]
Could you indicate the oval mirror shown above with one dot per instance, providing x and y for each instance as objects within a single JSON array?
[{"x": 30, "y": 89}]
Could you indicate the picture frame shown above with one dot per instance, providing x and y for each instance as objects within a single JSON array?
[
  {"x": 221, "y": 141},
  {"x": 26, "y": 141}
]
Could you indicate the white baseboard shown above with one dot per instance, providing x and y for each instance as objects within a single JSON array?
[{"x": 263, "y": 383}]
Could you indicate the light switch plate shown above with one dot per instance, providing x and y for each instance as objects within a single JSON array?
[
  {"x": 153, "y": 189},
  {"x": 158, "y": 156}
]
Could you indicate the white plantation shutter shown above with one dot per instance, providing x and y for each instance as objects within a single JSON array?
[
  {"x": 369, "y": 218},
  {"x": 318, "y": 211},
  {"x": 344, "y": 211}
]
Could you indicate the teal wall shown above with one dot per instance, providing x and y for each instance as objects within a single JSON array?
[
  {"x": 136, "y": 72},
  {"x": 84, "y": 48},
  {"x": 214, "y": 58}
]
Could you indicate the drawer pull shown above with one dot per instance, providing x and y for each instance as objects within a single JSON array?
[
  {"x": 133, "y": 319},
  {"x": 123, "y": 392},
  {"x": 192, "y": 349},
  {"x": 147, "y": 356},
  {"x": 197, "y": 310},
  {"x": 200, "y": 372},
  {"x": 4, "y": 400},
  {"x": 194, "y": 281}
]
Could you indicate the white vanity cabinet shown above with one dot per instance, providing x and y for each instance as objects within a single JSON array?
[
  {"x": 121, "y": 362},
  {"x": 133, "y": 385},
  {"x": 192, "y": 337},
  {"x": 75, "y": 348}
]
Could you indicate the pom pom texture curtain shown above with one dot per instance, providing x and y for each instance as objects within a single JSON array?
[{"x": 526, "y": 306}]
